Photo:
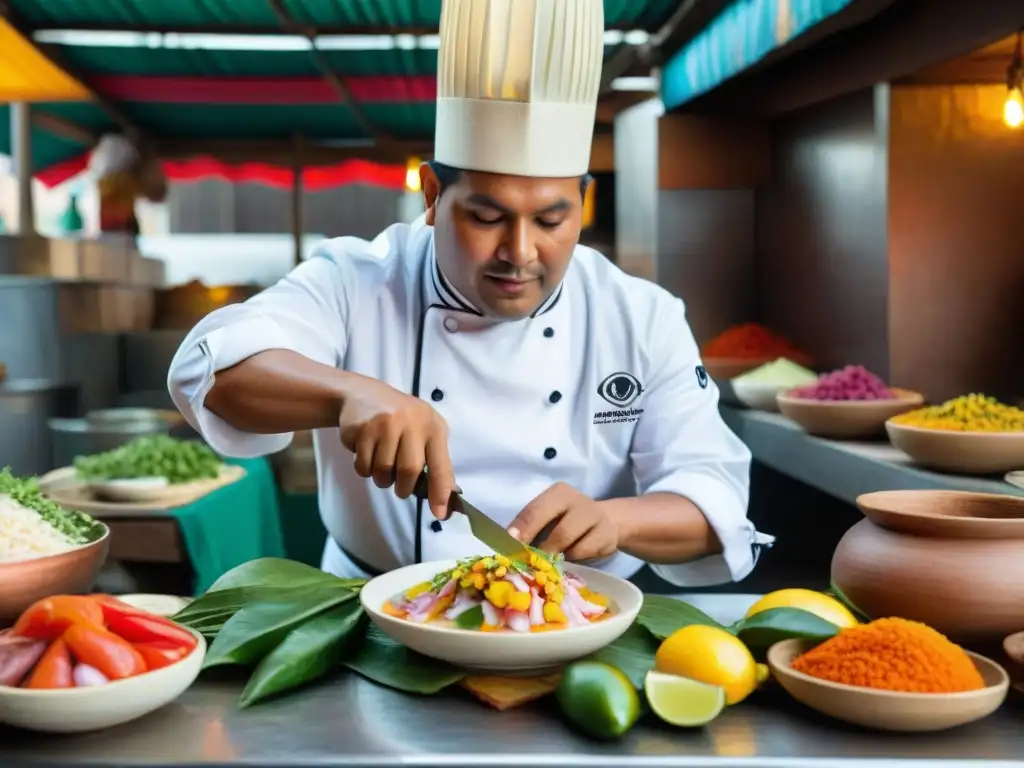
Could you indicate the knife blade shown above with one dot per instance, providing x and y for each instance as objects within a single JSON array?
[{"x": 482, "y": 526}]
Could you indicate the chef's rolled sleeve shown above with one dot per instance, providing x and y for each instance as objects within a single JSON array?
[
  {"x": 682, "y": 446},
  {"x": 304, "y": 312}
]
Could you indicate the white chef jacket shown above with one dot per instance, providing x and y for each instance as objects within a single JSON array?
[{"x": 602, "y": 388}]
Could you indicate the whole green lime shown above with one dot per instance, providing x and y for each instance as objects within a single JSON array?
[{"x": 598, "y": 699}]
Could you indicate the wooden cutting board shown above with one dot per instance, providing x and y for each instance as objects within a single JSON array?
[{"x": 65, "y": 488}]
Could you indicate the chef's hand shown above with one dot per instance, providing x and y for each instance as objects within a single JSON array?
[
  {"x": 581, "y": 527},
  {"x": 393, "y": 436}
]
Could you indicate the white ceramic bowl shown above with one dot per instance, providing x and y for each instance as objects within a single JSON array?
[
  {"x": 505, "y": 652},
  {"x": 758, "y": 395},
  {"x": 90, "y": 709}
]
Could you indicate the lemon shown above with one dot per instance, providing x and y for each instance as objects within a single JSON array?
[
  {"x": 821, "y": 605},
  {"x": 598, "y": 699},
  {"x": 709, "y": 655},
  {"x": 682, "y": 701}
]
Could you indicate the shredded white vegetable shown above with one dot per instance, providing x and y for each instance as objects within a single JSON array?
[{"x": 24, "y": 535}]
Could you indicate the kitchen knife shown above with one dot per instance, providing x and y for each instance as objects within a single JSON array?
[{"x": 483, "y": 527}]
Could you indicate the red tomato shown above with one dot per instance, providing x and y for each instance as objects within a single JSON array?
[
  {"x": 47, "y": 619},
  {"x": 161, "y": 654},
  {"x": 100, "y": 648},
  {"x": 54, "y": 669},
  {"x": 147, "y": 629}
]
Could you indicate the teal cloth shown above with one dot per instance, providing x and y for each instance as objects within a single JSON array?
[
  {"x": 304, "y": 532},
  {"x": 233, "y": 525}
]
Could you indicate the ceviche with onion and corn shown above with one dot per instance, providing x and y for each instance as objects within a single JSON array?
[{"x": 528, "y": 592}]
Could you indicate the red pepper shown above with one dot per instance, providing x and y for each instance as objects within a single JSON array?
[
  {"x": 47, "y": 619},
  {"x": 161, "y": 654},
  {"x": 55, "y": 668},
  {"x": 100, "y": 648},
  {"x": 145, "y": 629},
  {"x": 139, "y": 626}
]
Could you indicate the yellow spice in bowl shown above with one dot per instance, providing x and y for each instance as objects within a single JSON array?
[
  {"x": 968, "y": 413},
  {"x": 892, "y": 655}
]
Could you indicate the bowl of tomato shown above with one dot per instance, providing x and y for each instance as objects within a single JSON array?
[{"x": 74, "y": 663}]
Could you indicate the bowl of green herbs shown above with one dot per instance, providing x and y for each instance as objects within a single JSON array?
[{"x": 147, "y": 468}]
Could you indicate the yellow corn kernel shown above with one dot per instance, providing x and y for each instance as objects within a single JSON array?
[
  {"x": 458, "y": 573},
  {"x": 519, "y": 601},
  {"x": 467, "y": 582},
  {"x": 479, "y": 581},
  {"x": 541, "y": 578},
  {"x": 499, "y": 593},
  {"x": 557, "y": 596},
  {"x": 500, "y": 571},
  {"x": 479, "y": 567},
  {"x": 503, "y": 561},
  {"x": 550, "y": 587},
  {"x": 417, "y": 590},
  {"x": 553, "y": 614}
]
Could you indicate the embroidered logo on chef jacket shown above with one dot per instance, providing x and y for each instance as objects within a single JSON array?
[
  {"x": 702, "y": 377},
  {"x": 620, "y": 390}
]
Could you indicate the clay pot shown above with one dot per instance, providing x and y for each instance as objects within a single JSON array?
[{"x": 950, "y": 559}]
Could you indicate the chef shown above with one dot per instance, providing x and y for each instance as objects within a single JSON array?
[{"x": 482, "y": 343}]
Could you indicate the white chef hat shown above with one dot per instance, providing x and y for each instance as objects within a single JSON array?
[{"x": 517, "y": 85}]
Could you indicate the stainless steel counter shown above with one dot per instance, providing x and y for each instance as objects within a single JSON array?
[{"x": 350, "y": 722}]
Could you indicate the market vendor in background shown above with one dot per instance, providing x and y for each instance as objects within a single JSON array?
[
  {"x": 483, "y": 342},
  {"x": 123, "y": 175}
]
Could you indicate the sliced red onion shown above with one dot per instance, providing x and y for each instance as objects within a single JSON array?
[
  {"x": 585, "y": 607},
  {"x": 448, "y": 588},
  {"x": 574, "y": 581},
  {"x": 517, "y": 621},
  {"x": 536, "y": 609},
  {"x": 572, "y": 613},
  {"x": 463, "y": 602},
  {"x": 517, "y": 581},
  {"x": 492, "y": 615},
  {"x": 86, "y": 676}
]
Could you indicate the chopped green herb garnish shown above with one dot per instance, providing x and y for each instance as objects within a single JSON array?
[
  {"x": 76, "y": 527},
  {"x": 180, "y": 461}
]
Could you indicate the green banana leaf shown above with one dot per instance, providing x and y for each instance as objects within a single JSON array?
[
  {"x": 762, "y": 630},
  {"x": 307, "y": 652},
  {"x": 390, "y": 664},
  {"x": 278, "y": 572},
  {"x": 258, "y": 628},
  {"x": 661, "y": 616},
  {"x": 632, "y": 653}
]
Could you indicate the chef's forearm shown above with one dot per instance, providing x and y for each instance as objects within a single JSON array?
[
  {"x": 279, "y": 391},
  {"x": 663, "y": 528}
]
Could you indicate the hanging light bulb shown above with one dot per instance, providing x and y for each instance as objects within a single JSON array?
[
  {"x": 1013, "y": 107},
  {"x": 412, "y": 174}
]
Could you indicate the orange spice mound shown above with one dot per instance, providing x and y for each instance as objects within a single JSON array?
[
  {"x": 750, "y": 340},
  {"x": 892, "y": 655}
]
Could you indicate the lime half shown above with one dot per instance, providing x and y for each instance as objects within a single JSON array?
[{"x": 682, "y": 701}]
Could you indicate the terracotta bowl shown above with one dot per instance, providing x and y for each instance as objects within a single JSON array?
[
  {"x": 953, "y": 560},
  {"x": 24, "y": 581},
  {"x": 846, "y": 419},
  {"x": 888, "y": 710},
  {"x": 968, "y": 453}
]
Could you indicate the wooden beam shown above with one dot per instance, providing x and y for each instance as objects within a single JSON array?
[
  {"x": 283, "y": 151},
  {"x": 64, "y": 128},
  {"x": 291, "y": 25},
  {"x": 131, "y": 129}
]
